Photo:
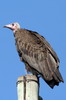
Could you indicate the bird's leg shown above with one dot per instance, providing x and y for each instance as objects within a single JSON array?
[
  {"x": 26, "y": 71},
  {"x": 27, "y": 67},
  {"x": 21, "y": 59}
]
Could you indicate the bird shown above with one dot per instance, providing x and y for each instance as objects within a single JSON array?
[{"x": 37, "y": 54}]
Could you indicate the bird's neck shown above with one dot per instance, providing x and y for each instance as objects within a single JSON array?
[{"x": 15, "y": 29}]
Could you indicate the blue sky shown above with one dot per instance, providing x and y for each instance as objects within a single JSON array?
[{"x": 47, "y": 17}]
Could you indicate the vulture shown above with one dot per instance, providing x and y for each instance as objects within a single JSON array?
[{"x": 37, "y": 54}]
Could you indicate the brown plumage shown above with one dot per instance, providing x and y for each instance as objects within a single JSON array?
[{"x": 37, "y": 54}]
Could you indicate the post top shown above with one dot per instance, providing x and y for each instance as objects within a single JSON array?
[{"x": 27, "y": 78}]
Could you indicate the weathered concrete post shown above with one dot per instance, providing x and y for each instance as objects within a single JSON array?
[{"x": 28, "y": 87}]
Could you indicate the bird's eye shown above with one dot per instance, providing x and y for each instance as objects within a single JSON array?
[{"x": 12, "y": 24}]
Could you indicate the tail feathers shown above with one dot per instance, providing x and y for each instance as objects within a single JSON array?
[
  {"x": 58, "y": 75},
  {"x": 52, "y": 83},
  {"x": 57, "y": 78},
  {"x": 54, "y": 71}
]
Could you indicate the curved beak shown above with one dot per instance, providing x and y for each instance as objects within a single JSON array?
[
  {"x": 4, "y": 26},
  {"x": 8, "y": 26}
]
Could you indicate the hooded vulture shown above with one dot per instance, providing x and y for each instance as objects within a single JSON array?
[{"x": 37, "y": 54}]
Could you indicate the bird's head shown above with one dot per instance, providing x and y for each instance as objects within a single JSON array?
[{"x": 13, "y": 26}]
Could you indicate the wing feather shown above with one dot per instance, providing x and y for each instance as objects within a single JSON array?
[{"x": 48, "y": 46}]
